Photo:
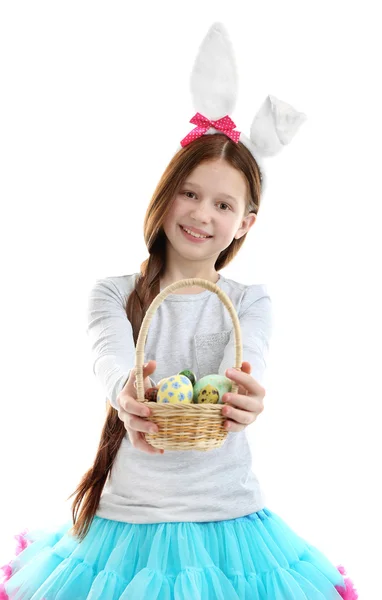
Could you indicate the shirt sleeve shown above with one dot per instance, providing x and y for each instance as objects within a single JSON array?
[
  {"x": 256, "y": 323},
  {"x": 111, "y": 338}
]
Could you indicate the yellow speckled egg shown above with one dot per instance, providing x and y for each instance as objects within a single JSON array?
[
  {"x": 221, "y": 383},
  {"x": 208, "y": 395},
  {"x": 176, "y": 389}
]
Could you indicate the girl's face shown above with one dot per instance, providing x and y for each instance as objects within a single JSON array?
[{"x": 211, "y": 201}]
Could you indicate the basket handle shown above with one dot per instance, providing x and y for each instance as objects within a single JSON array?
[{"x": 209, "y": 285}]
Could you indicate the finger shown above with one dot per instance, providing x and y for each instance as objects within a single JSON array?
[
  {"x": 246, "y": 380},
  {"x": 140, "y": 425},
  {"x": 233, "y": 427},
  {"x": 129, "y": 387},
  {"x": 134, "y": 407},
  {"x": 138, "y": 441},
  {"x": 249, "y": 403},
  {"x": 242, "y": 391},
  {"x": 243, "y": 417},
  {"x": 246, "y": 368}
]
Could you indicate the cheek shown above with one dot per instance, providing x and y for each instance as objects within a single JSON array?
[
  {"x": 228, "y": 227},
  {"x": 175, "y": 212},
  {"x": 170, "y": 219}
]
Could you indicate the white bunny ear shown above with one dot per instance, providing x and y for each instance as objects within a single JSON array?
[
  {"x": 214, "y": 75},
  {"x": 274, "y": 126}
]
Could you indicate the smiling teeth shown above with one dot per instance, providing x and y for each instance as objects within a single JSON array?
[{"x": 195, "y": 234}]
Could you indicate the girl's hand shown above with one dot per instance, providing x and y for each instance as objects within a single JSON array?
[
  {"x": 131, "y": 411},
  {"x": 243, "y": 407}
]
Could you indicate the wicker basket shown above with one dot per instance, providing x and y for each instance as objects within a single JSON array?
[{"x": 185, "y": 426}]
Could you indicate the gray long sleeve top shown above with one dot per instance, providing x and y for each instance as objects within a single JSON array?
[{"x": 191, "y": 331}]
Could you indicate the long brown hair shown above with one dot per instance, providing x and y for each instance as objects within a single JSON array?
[{"x": 207, "y": 147}]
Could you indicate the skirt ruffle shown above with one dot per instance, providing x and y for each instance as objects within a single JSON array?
[{"x": 256, "y": 557}]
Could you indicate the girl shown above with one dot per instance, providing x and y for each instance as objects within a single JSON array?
[
  {"x": 178, "y": 525},
  {"x": 154, "y": 525}
]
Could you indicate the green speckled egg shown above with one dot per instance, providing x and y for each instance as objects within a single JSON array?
[
  {"x": 189, "y": 374},
  {"x": 176, "y": 389},
  {"x": 219, "y": 382}
]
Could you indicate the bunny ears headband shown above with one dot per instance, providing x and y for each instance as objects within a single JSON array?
[{"x": 214, "y": 93}]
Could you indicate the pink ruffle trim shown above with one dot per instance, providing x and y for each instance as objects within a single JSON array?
[
  {"x": 6, "y": 570},
  {"x": 347, "y": 593}
]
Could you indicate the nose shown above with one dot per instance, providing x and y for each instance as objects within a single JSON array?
[{"x": 201, "y": 213}]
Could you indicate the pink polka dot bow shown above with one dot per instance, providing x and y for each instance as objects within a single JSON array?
[{"x": 225, "y": 125}]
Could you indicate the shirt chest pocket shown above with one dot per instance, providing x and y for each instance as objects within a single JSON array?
[{"x": 209, "y": 351}]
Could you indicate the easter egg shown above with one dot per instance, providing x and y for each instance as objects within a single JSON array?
[
  {"x": 151, "y": 394},
  {"x": 189, "y": 374},
  {"x": 219, "y": 382},
  {"x": 208, "y": 395},
  {"x": 176, "y": 389}
]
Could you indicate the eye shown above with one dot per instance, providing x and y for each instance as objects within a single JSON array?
[
  {"x": 225, "y": 204},
  {"x": 219, "y": 203}
]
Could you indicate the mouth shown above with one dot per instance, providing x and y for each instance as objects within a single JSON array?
[{"x": 194, "y": 236}]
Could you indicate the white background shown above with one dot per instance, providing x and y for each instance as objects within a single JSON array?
[{"x": 94, "y": 101}]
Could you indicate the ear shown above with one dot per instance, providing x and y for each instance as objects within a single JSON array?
[
  {"x": 246, "y": 225},
  {"x": 214, "y": 77}
]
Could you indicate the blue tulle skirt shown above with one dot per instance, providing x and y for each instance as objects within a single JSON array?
[{"x": 256, "y": 557}]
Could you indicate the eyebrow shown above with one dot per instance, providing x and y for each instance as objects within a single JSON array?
[{"x": 190, "y": 183}]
